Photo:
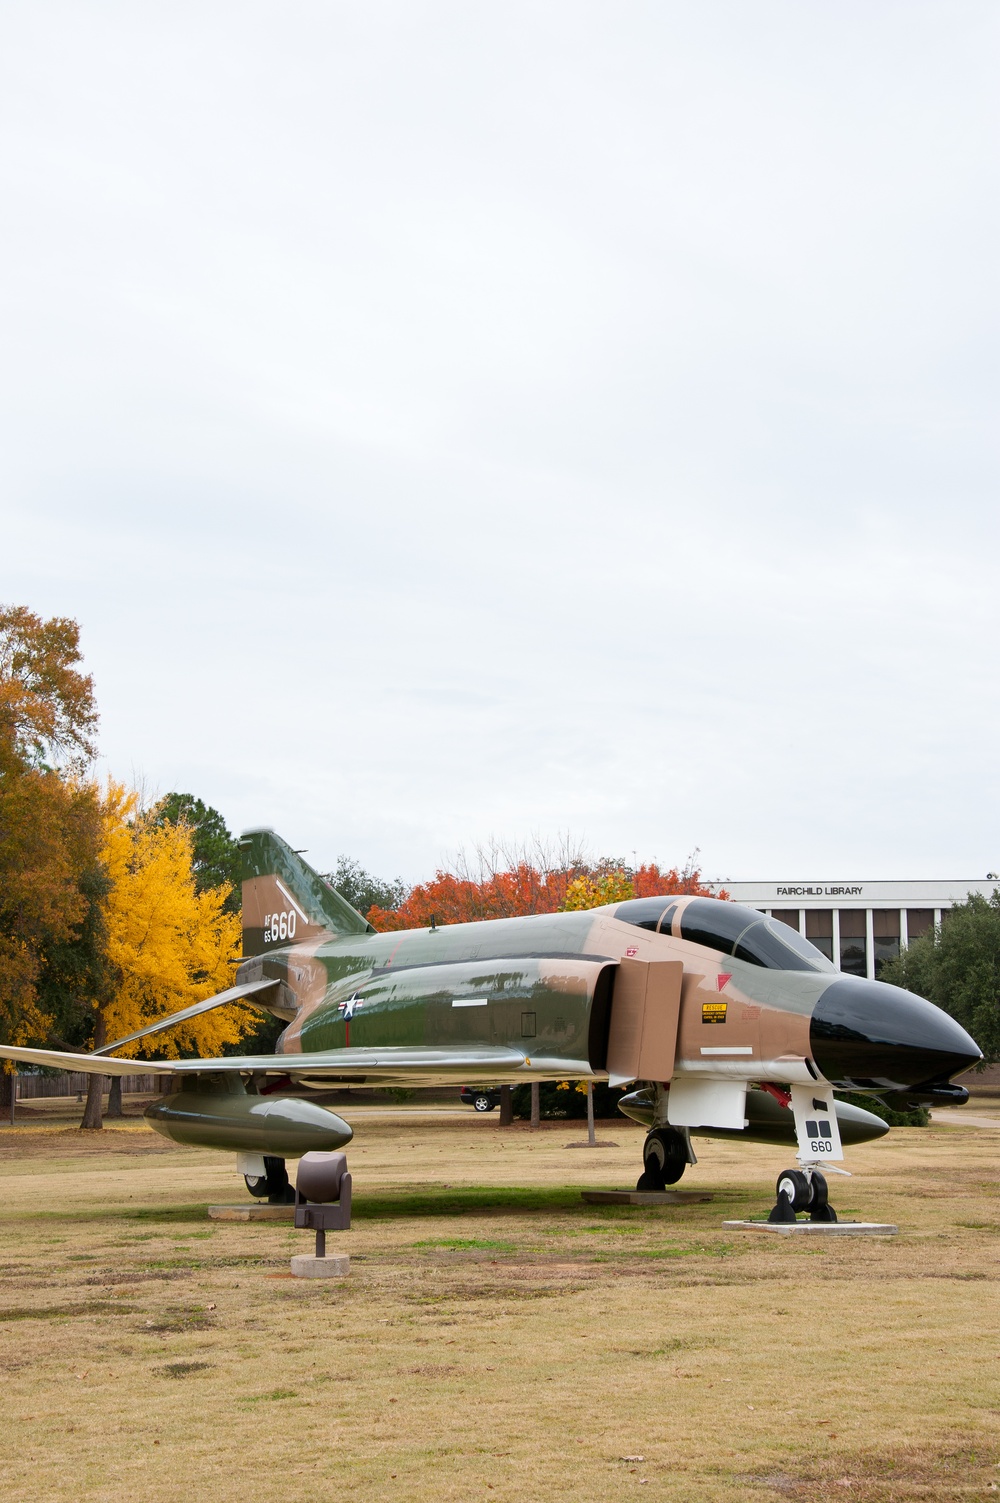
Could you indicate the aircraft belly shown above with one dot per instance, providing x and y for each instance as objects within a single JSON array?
[
  {"x": 767, "y": 1120},
  {"x": 792, "y": 1070}
]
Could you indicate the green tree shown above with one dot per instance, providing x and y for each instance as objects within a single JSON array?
[
  {"x": 958, "y": 967},
  {"x": 363, "y": 891},
  {"x": 215, "y": 852},
  {"x": 568, "y": 1099}
]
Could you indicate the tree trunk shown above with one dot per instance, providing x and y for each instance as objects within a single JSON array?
[
  {"x": 536, "y": 1106},
  {"x": 506, "y": 1106},
  {"x": 95, "y": 1083},
  {"x": 92, "y": 1117},
  {"x": 591, "y": 1135},
  {"x": 8, "y": 1088},
  {"x": 115, "y": 1097}
]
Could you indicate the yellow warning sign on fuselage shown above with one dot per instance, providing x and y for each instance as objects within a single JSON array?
[{"x": 713, "y": 1012}]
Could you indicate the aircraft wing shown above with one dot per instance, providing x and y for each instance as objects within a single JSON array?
[
  {"x": 89, "y": 1064},
  {"x": 407, "y": 1063}
]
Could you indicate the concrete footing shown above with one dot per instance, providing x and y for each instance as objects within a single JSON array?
[
  {"x": 259, "y": 1212},
  {"x": 817, "y": 1228},
  {"x": 333, "y": 1266}
]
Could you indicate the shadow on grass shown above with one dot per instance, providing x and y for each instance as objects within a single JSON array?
[
  {"x": 170, "y": 1215},
  {"x": 465, "y": 1200},
  {"x": 430, "y": 1200}
]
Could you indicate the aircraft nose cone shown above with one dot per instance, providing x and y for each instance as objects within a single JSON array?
[{"x": 866, "y": 1034}]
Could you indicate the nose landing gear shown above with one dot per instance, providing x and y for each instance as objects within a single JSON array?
[
  {"x": 818, "y": 1135},
  {"x": 802, "y": 1190}
]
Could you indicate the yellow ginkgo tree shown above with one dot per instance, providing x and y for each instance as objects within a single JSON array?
[
  {"x": 592, "y": 891},
  {"x": 166, "y": 945}
]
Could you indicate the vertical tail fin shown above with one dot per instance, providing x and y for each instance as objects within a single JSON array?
[{"x": 285, "y": 901}]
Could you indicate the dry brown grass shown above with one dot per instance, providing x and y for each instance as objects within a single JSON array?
[{"x": 497, "y": 1338}]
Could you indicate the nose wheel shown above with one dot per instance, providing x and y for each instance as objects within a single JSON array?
[{"x": 802, "y": 1190}]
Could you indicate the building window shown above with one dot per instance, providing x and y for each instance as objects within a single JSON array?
[
  {"x": 819, "y": 929},
  {"x": 789, "y": 916},
  {"x": 853, "y": 944},
  {"x": 885, "y": 931},
  {"x": 918, "y": 921}
]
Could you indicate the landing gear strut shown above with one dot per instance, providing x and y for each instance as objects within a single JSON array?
[
  {"x": 665, "y": 1156},
  {"x": 273, "y": 1183},
  {"x": 818, "y": 1136},
  {"x": 802, "y": 1190}
]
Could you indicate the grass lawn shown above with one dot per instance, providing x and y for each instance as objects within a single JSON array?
[{"x": 497, "y": 1337}]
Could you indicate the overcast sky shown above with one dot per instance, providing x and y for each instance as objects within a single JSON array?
[{"x": 450, "y": 420}]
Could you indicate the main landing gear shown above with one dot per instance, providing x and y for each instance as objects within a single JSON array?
[
  {"x": 802, "y": 1190},
  {"x": 273, "y": 1183},
  {"x": 666, "y": 1153}
]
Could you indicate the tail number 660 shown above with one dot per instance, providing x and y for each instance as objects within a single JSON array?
[{"x": 279, "y": 926}]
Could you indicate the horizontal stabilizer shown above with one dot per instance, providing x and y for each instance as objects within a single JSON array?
[{"x": 249, "y": 990}]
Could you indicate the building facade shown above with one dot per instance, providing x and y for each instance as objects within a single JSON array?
[{"x": 857, "y": 925}]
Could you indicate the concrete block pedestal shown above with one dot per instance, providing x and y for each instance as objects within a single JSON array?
[
  {"x": 333, "y": 1266},
  {"x": 817, "y": 1228},
  {"x": 257, "y": 1211}
]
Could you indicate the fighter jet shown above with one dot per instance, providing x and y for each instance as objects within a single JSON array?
[{"x": 725, "y": 1022}]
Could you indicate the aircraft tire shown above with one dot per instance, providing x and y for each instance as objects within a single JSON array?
[
  {"x": 665, "y": 1152},
  {"x": 820, "y": 1208},
  {"x": 795, "y": 1185},
  {"x": 279, "y": 1191},
  {"x": 256, "y": 1184},
  {"x": 664, "y": 1156}
]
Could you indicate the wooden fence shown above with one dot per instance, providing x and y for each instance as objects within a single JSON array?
[{"x": 75, "y": 1084}]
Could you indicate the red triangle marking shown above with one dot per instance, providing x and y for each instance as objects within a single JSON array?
[{"x": 722, "y": 978}]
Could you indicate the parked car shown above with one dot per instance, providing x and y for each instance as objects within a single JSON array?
[{"x": 483, "y": 1100}]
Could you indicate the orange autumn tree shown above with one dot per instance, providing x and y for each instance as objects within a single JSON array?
[
  {"x": 49, "y": 817},
  {"x": 506, "y": 882}
]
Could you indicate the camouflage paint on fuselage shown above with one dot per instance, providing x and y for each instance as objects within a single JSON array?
[
  {"x": 534, "y": 980},
  {"x": 699, "y": 998},
  {"x": 542, "y": 982},
  {"x": 541, "y": 987},
  {"x": 548, "y": 967}
]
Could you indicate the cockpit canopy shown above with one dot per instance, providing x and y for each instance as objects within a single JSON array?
[{"x": 742, "y": 933}]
